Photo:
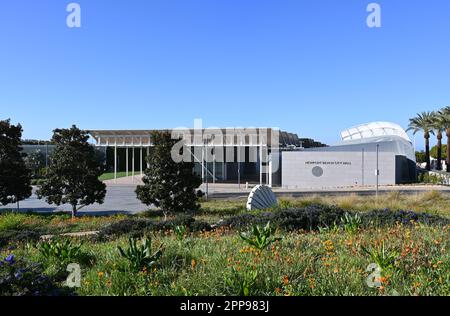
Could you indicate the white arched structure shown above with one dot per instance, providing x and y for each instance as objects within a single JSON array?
[{"x": 374, "y": 129}]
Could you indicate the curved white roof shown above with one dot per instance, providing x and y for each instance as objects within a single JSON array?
[{"x": 373, "y": 130}]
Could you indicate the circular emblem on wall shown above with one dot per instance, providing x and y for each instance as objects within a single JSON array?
[{"x": 317, "y": 172}]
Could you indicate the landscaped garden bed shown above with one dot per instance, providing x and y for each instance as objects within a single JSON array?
[{"x": 310, "y": 249}]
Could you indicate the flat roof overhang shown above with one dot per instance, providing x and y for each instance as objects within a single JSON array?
[{"x": 247, "y": 137}]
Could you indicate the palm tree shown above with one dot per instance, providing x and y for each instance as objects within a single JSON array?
[
  {"x": 445, "y": 122},
  {"x": 438, "y": 126},
  {"x": 423, "y": 122}
]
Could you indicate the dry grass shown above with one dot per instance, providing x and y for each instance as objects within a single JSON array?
[{"x": 433, "y": 202}]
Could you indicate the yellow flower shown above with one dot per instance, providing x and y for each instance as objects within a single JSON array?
[{"x": 100, "y": 274}]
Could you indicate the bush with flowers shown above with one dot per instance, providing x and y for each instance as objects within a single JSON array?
[{"x": 19, "y": 277}]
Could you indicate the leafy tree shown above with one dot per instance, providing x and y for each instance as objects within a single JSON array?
[
  {"x": 434, "y": 152},
  {"x": 423, "y": 122},
  {"x": 168, "y": 185},
  {"x": 420, "y": 156},
  {"x": 15, "y": 177},
  {"x": 72, "y": 176}
]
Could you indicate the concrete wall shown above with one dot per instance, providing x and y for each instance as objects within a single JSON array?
[{"x": 336, "y": 169}]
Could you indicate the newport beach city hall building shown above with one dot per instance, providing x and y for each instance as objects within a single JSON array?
[{"x": 379, "y": 152}]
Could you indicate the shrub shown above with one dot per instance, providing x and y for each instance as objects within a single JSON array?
[
  {"x": 12, "y": 221},
  {"x": 351, "y": 223},
  {"x": 64, "y": 251},
  {"x": 12, "y": 236},
  {"x": 241, "y": 283},
  {"x": 141, "y": 256},
  {"x": 310, "y": 217},
  {"x": 387, "y": 217},
  {"x": 22, "y": 278},
  {"x": 260, "y": 237},
  {"x": 127, "y": 226},
  {"x": 139, "y": 227},
  {"x": 383, "y": 257}
]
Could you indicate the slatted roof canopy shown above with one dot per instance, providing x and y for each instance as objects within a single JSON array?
[{"x": 230, "y": 137}]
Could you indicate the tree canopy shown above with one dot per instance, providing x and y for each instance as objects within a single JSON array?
[
  {"x": 168, "y": 185},
  {"x": 15, "y": 177},
  {"x": 72, "y": 177}
]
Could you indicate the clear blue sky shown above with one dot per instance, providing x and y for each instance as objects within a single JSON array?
[{"x": 307, "y": 66}]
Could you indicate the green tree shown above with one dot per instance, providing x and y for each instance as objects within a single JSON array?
[
  {"x": 434, "y": 152},
  {"x": 15, "y": 177},
  {"x": 168, "y": 185},
  {"x": 445, "y": 122},
  {"x": 423, "y": 122},
  {"x": 420, "y": 156},
  {"x": 72, "y": 177}
]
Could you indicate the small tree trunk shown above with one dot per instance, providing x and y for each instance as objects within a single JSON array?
[
  {"x": 448, "y": 149},
  {"x": 439, "y": 151},
  {"x": 427, "y": 152},
  {"x": 74, "y": 211},
  {"x": 18, "y": 206}
]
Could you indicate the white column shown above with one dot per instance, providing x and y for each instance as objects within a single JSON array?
[
  {"x": 148, "y": 154},
  {"x": 126, "y": 148},
  {"x": 270, "y": 171},
  {"x": 132, "y": 168},
  {"x": 140, "y": 151},
  {"x": 115, "y": 161},
  {"x": 203, "y": 165},
  {"x": 260, "y": 165},
  {"x": 214, "y": 169}
]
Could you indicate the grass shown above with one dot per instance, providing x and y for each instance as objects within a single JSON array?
[
  {"x": 58, "y": 223},
  {"x": 415, "y": 258},
  {"x": 220, "y": 263},
  {"x": 433, "y": 202},
  {"x": 121, "y": 174}
]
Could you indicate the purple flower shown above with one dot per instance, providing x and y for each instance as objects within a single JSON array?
[{"x": 11, "y": 259}]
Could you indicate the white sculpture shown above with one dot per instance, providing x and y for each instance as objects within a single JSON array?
[{"x": 261, "y": 197}]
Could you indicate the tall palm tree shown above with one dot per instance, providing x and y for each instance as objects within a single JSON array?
[
  {"x": 423, "y": 122},
  {"x": 437, "y": 123},
  {"x": 445, "y": 121}
]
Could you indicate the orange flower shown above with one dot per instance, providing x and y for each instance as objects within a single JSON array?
[
  {"x": 193, "y": 263},
  {"x": 285, "y": 280},
  {"x": 100, "y": 274},
  {"x": 277, "y": 290}
]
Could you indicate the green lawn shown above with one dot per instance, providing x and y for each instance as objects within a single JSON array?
[{"x": 122, "y": 174}]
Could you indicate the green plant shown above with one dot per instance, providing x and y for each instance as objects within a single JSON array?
[
  {"x": 141, "y": 256},
  {"x": 63, "y": 251},
  {"x": 180, "y": 232},
  {"x": 333, "y": 229},
  {"x": 384, "y": 258},
  {"x": 169, "y": 185},
  {"x": 72, "y": 177},
  {"x": 241, "y": 283},
  {"x": 351, "y": 223},
  {"x": 260, "y": 237},
  {"x": 19, "y": 277}
]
